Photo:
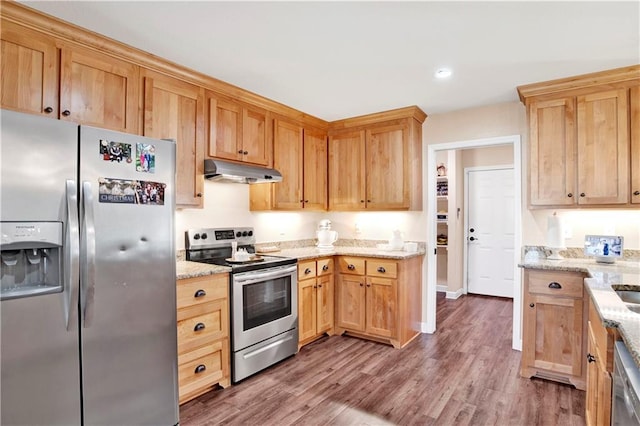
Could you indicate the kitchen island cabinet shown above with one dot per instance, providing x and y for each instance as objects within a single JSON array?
[
  {"x": 554, "y": 327},
  {"x": 203, "y": 334},
  {"x": 379, "y": 299}
]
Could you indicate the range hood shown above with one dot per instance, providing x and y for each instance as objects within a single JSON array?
[{"x": 226, "y": 171}]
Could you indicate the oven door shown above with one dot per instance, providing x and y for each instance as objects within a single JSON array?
[{"x": 264, "y": 304}]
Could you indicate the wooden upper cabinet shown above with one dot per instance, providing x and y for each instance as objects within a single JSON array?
[
  {"x": 552, "y": 155},
  {"x": 174, "y": 109},
  {"x": 603, "y": 148},
  {"x": 315, "y": 170},
  {"x": 287, "y": 159},
  {"x": 387, "y": 168},
  {"x": 29, "y": 71},
  {"x": 98, "y": 90},
  {"x": 634, "y": 116},
  {"x": 347, "y": 171},
  {"x": 238, "y": 132}
]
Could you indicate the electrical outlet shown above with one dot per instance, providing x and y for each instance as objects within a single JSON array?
[{"x": 356, "y": 229}]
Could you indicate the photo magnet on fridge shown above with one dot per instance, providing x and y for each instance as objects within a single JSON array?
[
  {"x": 115, "y": 151},
  {"x": 124, "y": 191},
  {"x": 145, "y": 158}
]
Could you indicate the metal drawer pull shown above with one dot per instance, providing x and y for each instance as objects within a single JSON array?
[
  {"x": 200, "y": 293},
  {"x": 382, "y": 270},
  {"x": 307, "y": 271},
  {"x": 325, "y": 267},
  {"x": 199, "y": 326},
  {"x": 351, "y": 267},
  {"x": 555, "y": 285},
  {"x": 200, "y": 368}
]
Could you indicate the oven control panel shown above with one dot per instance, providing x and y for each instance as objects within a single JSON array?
[{"x": 218, "y": 237}]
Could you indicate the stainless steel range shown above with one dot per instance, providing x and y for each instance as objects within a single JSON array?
[{"x": 264, "y": 298}]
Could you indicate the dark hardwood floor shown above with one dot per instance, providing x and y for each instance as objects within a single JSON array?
[{"x": 464, "y": 374}]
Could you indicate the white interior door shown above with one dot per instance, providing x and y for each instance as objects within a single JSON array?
[{"x": 490, "y": 231}]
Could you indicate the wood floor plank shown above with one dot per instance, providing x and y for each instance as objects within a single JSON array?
[{"x": 465, "y": 373}]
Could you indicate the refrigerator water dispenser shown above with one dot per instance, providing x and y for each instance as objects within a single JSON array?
[{"x": 30, "y": 259}]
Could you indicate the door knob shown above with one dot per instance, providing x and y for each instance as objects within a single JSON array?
[
  {"x": 473, "y": 239},
  {"x": 472, "y": 230}
]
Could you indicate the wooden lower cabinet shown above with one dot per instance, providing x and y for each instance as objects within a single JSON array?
[
  {"x": 315, "y": 299},
  {"x": 599, "y": 370},
  {"x": 554, "y": 338},
  {"x": 203, "y": 335},
  {"x": 379, "y": 298}
]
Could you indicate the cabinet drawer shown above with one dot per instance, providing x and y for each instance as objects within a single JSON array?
[
  {"x": 382, "y": 268},
  {"x": 556, "y": 283},
  {"x": 351, "y": 265},
  {"x": 203, "y": 367},
  {"x": 205, "y": 328},
  {"x": 325, "y": 267},
  {"x": 306, "y": 269},
  {"x": 194, "y": 291}
]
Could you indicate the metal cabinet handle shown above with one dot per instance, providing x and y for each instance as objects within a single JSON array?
[
  {"x": 351, "y": 267},
  {"x": 531, "y": 305},
  {"x": 361, "y": 284},
  {"x": 199, "y": 195},
  {"x": 307, "y": 271},
  {"x": 382, "y": 270},
  {"x": 315, "y": 286},
  {"x": 362, "y": 201},
  {"x": 66, "y": 113},
  {"x": 199, "y": 326},
  {"x": 591, "y": 358},
  {"x": 306, "y": 201},
  {"x": 245, "y": 152},
  {"x": 319, "y": 285},
  {"x": 368, "y": 285},
  {"x": 325, "y": 267},
  {"x": 636, "y": 192},
  {"x": 570, "y": 195},
  {"x": 48, "y": 110},
  {"x": 582, "y": 194},
  {"x": 555, "y": 285},
  {"x": 200, "y": 293},
  {"x": 200, "y": 368}
]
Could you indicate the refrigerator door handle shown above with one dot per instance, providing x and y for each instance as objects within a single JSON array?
[
  {"x": 88, "y": 250},
  {"x": 72, "y": 252}
]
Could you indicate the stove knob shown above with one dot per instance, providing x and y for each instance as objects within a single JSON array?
[
  {"x": 238, "y": 234},
  {"x": 204, "y": 236},
  {"x": 196, "y": 237},
  {"x": 250, "y": 233},
  {"x": 245, "y": 233}
]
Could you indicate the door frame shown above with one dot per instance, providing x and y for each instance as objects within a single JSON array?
[
  {"x": 465, "y": 236},
  {"x": 429, "y": 308}
]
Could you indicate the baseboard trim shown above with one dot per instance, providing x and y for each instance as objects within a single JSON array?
[
  {"x": 441, "y": 288},
  {"x": 425, "y": 329},
  {"x": 454, "y": 294}
]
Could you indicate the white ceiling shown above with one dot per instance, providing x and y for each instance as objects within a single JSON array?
[{"x": 341, "y": 59}]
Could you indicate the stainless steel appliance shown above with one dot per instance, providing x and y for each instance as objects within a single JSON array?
[
  {"x": 88, "y": 304},
  {"x": 625, "y": 408},
  {"x": 264, "y": 298}
]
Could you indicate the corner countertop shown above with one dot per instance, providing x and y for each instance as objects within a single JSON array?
[
  {"x": 600, "y": 278},
  {"x": 307, "y": 253},
  {"x": 186, "y": 269}
]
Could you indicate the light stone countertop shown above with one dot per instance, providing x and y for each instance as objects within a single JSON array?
[
  {"x": 600, "y": 278},
  {"x": 186, "y": 269},
  {"x": 306, "y": 253}
]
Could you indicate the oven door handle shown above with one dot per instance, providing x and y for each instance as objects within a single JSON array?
[{"x": 256, "y": 277}]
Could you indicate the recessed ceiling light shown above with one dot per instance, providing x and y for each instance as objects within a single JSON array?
[{"x": 443, "y": 73}]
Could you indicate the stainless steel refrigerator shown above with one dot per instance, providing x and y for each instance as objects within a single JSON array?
[{"x": 88, "y": 309}]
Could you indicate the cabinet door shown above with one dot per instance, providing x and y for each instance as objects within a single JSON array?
[
  {"x": 591, "y": 404},
  {"x": 255, "y": 140},
  {"x": 634, "y": 116},
  {"x": 598, "y": 398},
  {"x": 347, "y": 171},
  {"x": 29, "y": 71},
  {"x": 553, "y": 334},
  {"x": 225, "y": 129},
  {"x": 382, "y": 309},
  {"x": 350, "y": 302},
  {"x": 98, "y": 90},
  {"x": 287, "y": 159},
  {"x": 603, "y": 148},
  {"x": 324, "y": 304},
  {"x": 307, "y": 313},
  {"x": 315, "y": 170},
  {"x": 552, "y": 174},
  {"x": 387, "y": 168},
  {"x": 174, "y": 110}
]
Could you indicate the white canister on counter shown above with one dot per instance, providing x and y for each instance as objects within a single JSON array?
[{"x": 396, "y": 242}]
